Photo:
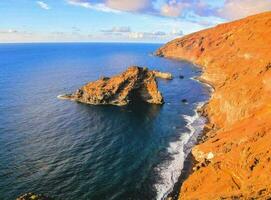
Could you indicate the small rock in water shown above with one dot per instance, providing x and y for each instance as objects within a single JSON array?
[
  {"x": 163, "y": 75},
  {"x": 33, "y": 196},
  {"x": 184, "y": 101},
  {"x": 181, "y": 77}
]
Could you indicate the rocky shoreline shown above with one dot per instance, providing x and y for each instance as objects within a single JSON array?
[
  {"x": 190, "y": 163},
  {"x": 233, "y": 157}
]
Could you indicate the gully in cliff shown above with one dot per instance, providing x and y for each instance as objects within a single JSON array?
[{"x": 134, "y": 84}]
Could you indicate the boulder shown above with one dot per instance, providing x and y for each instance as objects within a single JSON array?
[
  {"x": 33, "y": 196},
  {"x": 163, "y": 75}
]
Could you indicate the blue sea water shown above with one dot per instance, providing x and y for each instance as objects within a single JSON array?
[{"x": 69, "y": 150}]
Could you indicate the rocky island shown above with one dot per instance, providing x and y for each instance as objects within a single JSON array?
[
  {"x": 135, "y": 84},
  {"x": 234, "y": 155}
]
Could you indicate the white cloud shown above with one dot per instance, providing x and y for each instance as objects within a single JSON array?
[
  {"x": 57, "y": 36},
  {"x": 125, "y": 33},
  {"x": 165, "y": 8},
  {"x": 114, "y": 5},
  {"x": 121, "y": 29},
  {"x": 9, "y": 31},
  {"x": 75, "y": 29},
  {"x": 95, "y": 6},
  {"x": 159, "y": 33},
  {"x": 173, "y": 8},
  {"x": 136, "y": 35},
  {"x": 209, "y": 10},
  {"x": 155, "y": 35},
  {"x": 236, "y": 9},
  {"x": 176, "y": 32},
  {"x": 128, "y": 5},
  {"x": 43, "y": 5},
  {"x": 23, "y": 36}
]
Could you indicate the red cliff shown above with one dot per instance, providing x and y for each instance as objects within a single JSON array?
[{"x": 234, "y": 158}]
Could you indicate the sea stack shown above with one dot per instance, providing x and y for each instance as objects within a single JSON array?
[
  {"x": 134, "y": 84},
  {"x": 234, "y": 158}
]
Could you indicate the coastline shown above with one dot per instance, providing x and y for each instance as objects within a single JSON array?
[
  {"x": 190, "y": 162},
  {"x": 233, "y": 160},
  {"x": 181, "y": 149}
]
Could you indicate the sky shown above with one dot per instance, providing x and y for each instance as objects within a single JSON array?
[{"x": 116, "y": 20}]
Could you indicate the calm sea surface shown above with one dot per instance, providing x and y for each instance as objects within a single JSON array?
[{"x": 71, "y": 151}]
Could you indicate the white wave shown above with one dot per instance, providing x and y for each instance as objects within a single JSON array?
[
  {"x": 170, "y": 171},
  {"x": 62, "y": 96}
]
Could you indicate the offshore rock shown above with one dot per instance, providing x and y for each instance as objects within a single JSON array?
[
  {"x": 163, "y": 75},
  {"x": 134, "y": 84},
  {"x": 33, "y": 196}
]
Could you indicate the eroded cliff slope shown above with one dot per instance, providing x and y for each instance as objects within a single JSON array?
[{"x": 235, "y": 155}]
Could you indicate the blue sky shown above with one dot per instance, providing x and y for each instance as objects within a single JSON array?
[{"x": 116, "y": 20}]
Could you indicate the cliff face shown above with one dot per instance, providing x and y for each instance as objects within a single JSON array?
[
  {"x": 135, "y": 84},
  {"x": 235, "y": 155}
]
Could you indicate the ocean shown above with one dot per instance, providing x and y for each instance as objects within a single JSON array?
[{"x": 69, "y": 150}]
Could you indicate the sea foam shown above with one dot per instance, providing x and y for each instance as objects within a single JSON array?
[{"x": 178, "y": 150}]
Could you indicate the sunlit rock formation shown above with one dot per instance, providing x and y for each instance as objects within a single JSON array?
[
  {"x": 134, "y": 84},
  {"x": 234, "y": 159}
]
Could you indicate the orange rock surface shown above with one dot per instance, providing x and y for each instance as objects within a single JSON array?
[
  {"x": 235, "y": 154},
  {"x": 136, "y": 83}
]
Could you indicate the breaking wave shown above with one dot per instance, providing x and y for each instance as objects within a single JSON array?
[{"x": 178, "y": 150}]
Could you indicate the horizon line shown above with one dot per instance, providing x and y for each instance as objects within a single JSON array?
[{"x": 69, "y": 42}]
